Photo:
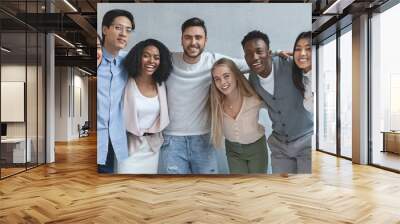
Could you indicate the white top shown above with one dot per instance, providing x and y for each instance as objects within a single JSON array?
[
  {"x": 187, "y": 90},
  {"x": 147, "y": 108},
  {"x": 308, "y": 101},
  {"x": 268, "y": 83}
]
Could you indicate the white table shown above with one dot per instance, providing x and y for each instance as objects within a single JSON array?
[{"x": 18, "y": 145}]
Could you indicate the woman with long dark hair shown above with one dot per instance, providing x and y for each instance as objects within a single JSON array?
[{"x": 302, "y": 57}]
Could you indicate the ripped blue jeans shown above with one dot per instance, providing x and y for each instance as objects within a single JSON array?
[{"x": 187, "y": 155}]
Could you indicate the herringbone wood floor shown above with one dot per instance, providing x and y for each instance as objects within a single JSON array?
[{"x": 71, "y": 191}]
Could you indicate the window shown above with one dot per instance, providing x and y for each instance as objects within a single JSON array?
[
  {"x": 22, "y": 68},
  {"x": 346, "y": 75},
  {"x": 327, "y": 96},
  {"x": 385, "y": 88}
]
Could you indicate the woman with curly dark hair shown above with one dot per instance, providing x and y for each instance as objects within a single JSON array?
[{"x": 148, "y": 65}]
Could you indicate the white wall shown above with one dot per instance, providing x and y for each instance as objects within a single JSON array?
[
  {"x": 70, "y": 83},
  {"x": 33, "y": 126},
  {"x": 80, "y": 84},
  {"x": 16, "y": 73},
  {"x": 61, "y": 103}
]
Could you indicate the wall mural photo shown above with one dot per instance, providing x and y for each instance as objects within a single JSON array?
[{"x": 204, "y": 88}]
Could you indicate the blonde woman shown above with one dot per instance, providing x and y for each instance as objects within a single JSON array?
[{"x": 234, "y": 115}]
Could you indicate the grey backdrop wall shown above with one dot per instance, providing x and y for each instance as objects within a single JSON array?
[{"x": 227, "y": 23}]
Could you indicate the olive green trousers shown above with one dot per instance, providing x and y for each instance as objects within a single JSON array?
[{"x": 247, "y": 158}]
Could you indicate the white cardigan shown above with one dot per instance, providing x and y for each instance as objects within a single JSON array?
[{"x": 131, "y": 118}]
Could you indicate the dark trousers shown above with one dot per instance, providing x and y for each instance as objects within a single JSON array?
[
  {"x": 247, "y": 158},
  {"x": 109, "y": 166},
  {"x": 292, "y": 157}
]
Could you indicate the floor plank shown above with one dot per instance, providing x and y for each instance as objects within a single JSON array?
[{"x": 71, "y": 191}]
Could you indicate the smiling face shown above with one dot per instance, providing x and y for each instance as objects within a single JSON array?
[
  {"x": 224, "y": 79},
  {"x": 302, "y": 54},
  {"x": 99, "y": 52},
  {"x": 258, "y": 57},
  {"x": 150, "y": 60},
  {"x": 117, "y": 34},
  {"x": 193, "y": 42}
]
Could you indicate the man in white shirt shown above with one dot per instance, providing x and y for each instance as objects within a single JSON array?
[{"x": 186, "y": 148}]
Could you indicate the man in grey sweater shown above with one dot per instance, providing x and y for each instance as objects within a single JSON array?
[
  {"x": 271, "y": 77},
  {"x": 186, "y": 148}
]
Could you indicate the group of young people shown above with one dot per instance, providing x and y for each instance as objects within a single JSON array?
[{"x": 168, "y": 112}]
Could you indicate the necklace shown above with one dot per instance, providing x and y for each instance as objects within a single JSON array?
[{"x": 230, "y": 106}]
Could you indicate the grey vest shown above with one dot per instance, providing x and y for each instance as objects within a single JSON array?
[{"x": 290, "y": 120}]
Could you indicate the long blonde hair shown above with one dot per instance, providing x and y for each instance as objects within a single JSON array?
[{"x": 217, "y": 99}]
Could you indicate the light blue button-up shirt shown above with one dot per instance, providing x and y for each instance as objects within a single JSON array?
[{"x": 111, "y": 80}]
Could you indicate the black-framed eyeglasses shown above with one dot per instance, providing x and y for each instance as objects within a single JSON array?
[{"x": 120, "y": 28}]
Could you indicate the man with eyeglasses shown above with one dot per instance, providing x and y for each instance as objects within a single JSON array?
[{"x": 112, "y": 143}]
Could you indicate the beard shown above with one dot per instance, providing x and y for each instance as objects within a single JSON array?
[{"x": 193, "y": 55}]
